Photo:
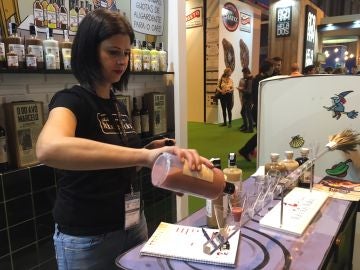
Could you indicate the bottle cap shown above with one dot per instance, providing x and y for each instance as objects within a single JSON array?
[
  {"x": 289, "y": 154},
  {"x": 32, "y": 30},
  {"x": 232, "y": 160},
  {"x": 274, "y": 156},
  {"x": 13, "y": 28},
  {"x": 216, "y": 162},
  {"x": 229, "y": 188},
  {"x": 304, "y": 150}
]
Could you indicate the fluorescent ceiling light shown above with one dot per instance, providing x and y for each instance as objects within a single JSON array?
[{"x": 339, "y": 40}]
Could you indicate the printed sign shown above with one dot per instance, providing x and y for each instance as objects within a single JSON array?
[
  {"x": 245, "y": 22},
  {"x": 310, "y": 35},
  {"x": 283, "y": 21},
  {"x": 194, "y": 17},
  {"x": 230, "y": 16},
  {"x": 147, "y": 17}
]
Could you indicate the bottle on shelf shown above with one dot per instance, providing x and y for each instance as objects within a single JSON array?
[
  {"x": 3, "y": 151},
  {"x": 73, "y": 17},
  {"x": 304, "y": 180},
  {"x": 51, "y": 14},
  {"x": 38, "y": 13},
  {"x": 162, "y": 57},
  {"x": 290, "y": 163},
  {"x": 169, "y": 172},
  {"x": 87, "y": 8},
  {"x": 221, "y": 200},
  {"x": 136, "y": 56},
  {"x": 51, "y": 50},
  {"x": 57, "y": 12},
  {"x": 34, "y": 50},
  {"x": 65, "y": 48},
  {"x": 146, "y": 57},
  {"x": 135, "y": 117},
  {"x": 14, "y": 48},
  {"x": 82, "y": 12},
  {"x": 154, "y": 53},
  {"x": 2, "y": 53},
  {"x": 275, "y": 164},
  {"x": 63, "y": 16},
  {"x": 45, "y": 4},
  {"x": 144, "y": 119},
  {"x": 232, "y": 172}
]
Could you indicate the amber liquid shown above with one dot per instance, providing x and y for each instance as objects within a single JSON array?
[
  {"x": 64, "y": 45},
  {"x": 37, "y": 42},
  {"x": 15, "y": 40},
  {"x": 237, "y": 212},
  {"x": 38, "y": 14}
]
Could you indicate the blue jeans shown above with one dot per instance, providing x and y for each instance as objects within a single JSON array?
[{"x": 96, "y": 252}]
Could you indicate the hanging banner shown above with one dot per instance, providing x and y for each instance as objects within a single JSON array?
[
  {"x": 310, "y": 35},
  {"x": 283, "y": 21},
  {"x": 147, "y": 16}
]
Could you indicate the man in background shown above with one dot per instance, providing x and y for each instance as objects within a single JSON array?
[{"x": 277, "y": 61}]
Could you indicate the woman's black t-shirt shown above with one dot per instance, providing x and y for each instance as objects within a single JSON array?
[{"x": 91, "y": 202}]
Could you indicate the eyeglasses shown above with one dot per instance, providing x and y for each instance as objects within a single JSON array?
[{"x": 118, "y": 53}]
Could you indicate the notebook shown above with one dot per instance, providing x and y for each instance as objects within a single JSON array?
[
  {"x": 185, "y": 243},
  {"x": 299, "y": 208}
]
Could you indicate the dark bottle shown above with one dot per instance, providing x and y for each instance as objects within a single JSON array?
[
  {"x": 63, "y": 16},
  {"x": 3, "y": 151},
  {"x": 38, "y": 12},
  {"x": 144, "y": 118},
  {"x": 14, "y": 46},
  {"x": 2, "y": 53},
  {"x": 304, "y": 180},
  {"x": 135, "y": 116}
]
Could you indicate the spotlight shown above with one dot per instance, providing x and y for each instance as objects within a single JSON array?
[{"x": 336, "y": 50}]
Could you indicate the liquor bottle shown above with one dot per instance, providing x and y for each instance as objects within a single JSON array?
[
  {"x": 82, "y": 12},
  {"x": 210, "y": 204},
  {"x": 170, "y": 173},
  {"x": 290, "y": 163},
  {"x": 3, "y": 151},
  {"x": 65, "y": 48},
  {"x": 51, "y": 49},
  {"x": 63, "y": 16},
  {"x": 57, "y": 12},
  {"x": 14, "y": 45},
  {"x": 144, "y": 115},
  {"x": 87, "y": 8},
  {"x": 51, "y": 15},
  {"x": 73, "y": 18},
  {"x": 33, "y": 46},
  {"x": 136, "y": 56},
  {"x": 2, "y": 53},
  {"x": 146, "y": 57},
  {"x": 38, "y": 12},
  {"x": 232, "y": 172},
  {"x": 304, "y": 180},
  {"x": 45, "y": 4},
  {"x": 275, "y": 164},
  {"x": 162, "y": 58},
  {"x": 135, "y": 116},
  {"x": 154, "y": 58}
]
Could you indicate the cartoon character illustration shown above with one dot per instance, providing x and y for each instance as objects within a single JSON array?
[
  {"x": 338, "y": 107},
  {"x": 297, "y": 141}
]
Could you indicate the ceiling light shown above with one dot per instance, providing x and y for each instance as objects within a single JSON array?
[
  {"x": 351, "y": 55},
  {"x": 337, "y": 59},
  {"x": 336, "y": 50},
  {"x": 346, "y": 58},
  {"x": 346, "y": 53},
  {"x": 329, "y": 25}
]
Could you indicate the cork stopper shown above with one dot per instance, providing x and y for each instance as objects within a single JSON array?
[
  {"x": 274, "y": 157},
  {"x": 289, "y": 154},
  {"x": 304, "y": 151}
]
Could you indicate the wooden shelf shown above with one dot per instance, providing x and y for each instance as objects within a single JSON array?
[{"x": 27, "y": 71}]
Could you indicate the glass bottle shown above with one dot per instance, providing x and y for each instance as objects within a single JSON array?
[
  {"x": 45, "y": 4},
  {"x": 14, "y": 46},
  {"x": 289, "y": 162},
  {"x": 154, "y": 58},
  {"x": 169, "y": 172},
  {"x": 33, "y": 46},
  {"x": 73, "y": 18},
  {"x": 38, "y": 12},
  {"x": 63, "y": 16},
  {"x": 3, "y": 151},
  {"x": 232, "y": 172},
  {"x": 65, "y": 48},
  {"x": 146, "y": 57},
  {"x": 304, "y": 180},
  {"x": 136, "y": 56},
  {"x": 2, "y": 53},
  {"x": 144, "y": 118},
  {"x": 275, "y": 164},
  {"x": 135, "y": 116},
  {"x": 51, "y": 14},
  {"x": 82, "y": 12},
  {"x": 51, "y": 49},
  {"x": 162, "y": 58}
]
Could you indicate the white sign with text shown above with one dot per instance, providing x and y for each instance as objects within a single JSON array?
[{"x": 147, "y": 16}]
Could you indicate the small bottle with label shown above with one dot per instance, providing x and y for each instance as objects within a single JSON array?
[
  {"x": 146, "y": 57},
  {"x": 44, "y": 5},
  {"x": 2, "y": 53},
  {"x": 136, "y": 56},
  {"x": 65, "y": 48},
  {"x": 162, "y": 58},
  {"x": 232, "y": 172},
  {"x": 154, "y": 58},
  {"x": 63, "y": 16},
  {"x": 14, "y": 48},
  {"x": 73, "y": 18},
  {"x": 144, "y": 115},
  {"x": 275, "y": 164},
  {"x": 289, "y": 162},
  {"x": 51, "y": 49},
  {"x": 308, "y": 176},
  {"x": 51, "y": 14},
  {"x": 38, "y": 13},
  {"x": 135, "y": 117},
  {"x": 82, "y": 12},
  {"x": 34, "y": 50}
]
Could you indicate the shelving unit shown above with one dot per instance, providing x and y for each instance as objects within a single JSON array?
[{"x": 27, "y": 71}]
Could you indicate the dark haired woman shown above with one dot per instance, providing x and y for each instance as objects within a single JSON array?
[
  {"x": 226, "y": 87},
  {"x": 89, "y": 137}
]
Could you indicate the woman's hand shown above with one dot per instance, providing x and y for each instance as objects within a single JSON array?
[{"x": 160, "y": 143}]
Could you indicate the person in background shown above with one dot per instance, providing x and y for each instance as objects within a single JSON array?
[
  {"x": 245, "y": 90},
  {"x": 329, "y": 70},
  {"x": 277, "y": 65},
  {"x": 226, "y": 88},
  {"x": 339, "y": 70},
  {"x": 90, "y": 140},
  {"x": 295, "y": 70},
  {"x": 309, "y": 70},
  {"x": 354, "y": 70}
]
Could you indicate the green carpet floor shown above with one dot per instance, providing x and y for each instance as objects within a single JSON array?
[{"x": 211, "y": 140}]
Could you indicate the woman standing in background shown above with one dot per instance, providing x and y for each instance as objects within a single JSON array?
[{"x": 226, "y": 88}]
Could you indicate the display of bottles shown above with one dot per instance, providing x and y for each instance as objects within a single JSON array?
[
  {"x": 169, "y": 172},
  {"x": 34, "y": 50},
  {"x": 136, "y": 56},
  {"x": 51, "y": 49},
  {"x": 3, "y": 151},
  {"x": 45, "y": 4},
  {"x": 154, "y": 58},
  {"x": 2, "y": 53},
  {"x": 51, "y": 14},
  {"x": 232, "y": 172},
  {"x": 275, "y": 164},
  {"x": 82, "y": 12},
  {"x": 219, "y": 201},
  {"x": 144, "y": 119},
  {"x": 135, "y": 117},
  {"x": 57, "y": 12},
  {"x": 73, "y": 18},
  {"x": 304, "y": 180},
  {"x": 162, "y": 58},
  {"x": 146, "y": 57},
  {"x": 14, "y": 48},
  {"x": 289, "y": 162},
  {"x": 65, "y": 49},
  {"x": 63, "y": 16},
  {"x": 38, "y": 13}
]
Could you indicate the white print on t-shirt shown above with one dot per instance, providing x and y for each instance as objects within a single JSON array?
[{"x": 107, "y": 126}]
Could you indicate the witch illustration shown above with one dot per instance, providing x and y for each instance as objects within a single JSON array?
[{"x": 338, "y": 107}]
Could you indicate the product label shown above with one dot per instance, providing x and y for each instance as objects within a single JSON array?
[
  {"x": 38, "y": 14},
  {"x": 2, "y": 51},
  {"x": 36, "y": 50},
  {"x": 163, "y": 62},
  {"x": 51, "y": 19},
  {"x": 146, "y": 61},
  {"x": 63, "y": 18},
  {"x": 19, "y": 50},
  {"x": 66, "y": 55},
  {"x": 3, "y": 150},
  {"x": 31, "y": 61},
  {"x": 137, "y": 65},
  {"x": 73, "y": 23},
  {"x": 12, "y": 61},
  {"x": 205, "y": 173},
  {"x": 50, "y": 59},
  {"x": 155, "y": 65}
]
